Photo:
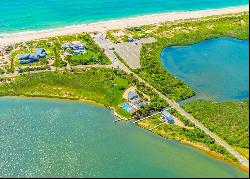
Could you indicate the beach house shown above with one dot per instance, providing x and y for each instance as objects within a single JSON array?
[
  {"x": 132, "y": 95},
  {"x": 135, "y": 99},
  {"x": 167, "y": 117},
  {"x": 33, "y": 57},
  {"x": 76, "y": 46}
]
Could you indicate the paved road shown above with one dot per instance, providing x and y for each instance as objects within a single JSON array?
[{"x": 107, "y": 44}]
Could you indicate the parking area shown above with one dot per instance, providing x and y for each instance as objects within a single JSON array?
[{"x": 130, "y": 51}]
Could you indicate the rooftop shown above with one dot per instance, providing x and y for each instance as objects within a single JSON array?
[
  {"x": 31, "y": 57},
  {"x": 75, "y": 45},
  {"x": 132, "y": 95}
]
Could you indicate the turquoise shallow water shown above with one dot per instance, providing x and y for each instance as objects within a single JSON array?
[
  {"x": 25, "y": 15},
  {"x": 40, "y": 137},
  {"x": 217, "y": 69}
]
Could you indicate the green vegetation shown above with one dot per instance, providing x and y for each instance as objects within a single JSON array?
[
  {"x": 188, "y": 32},
  {"x": 52, "y": 46},
  {"x": 121, "y": 60},
  {"x": 150, "y": 122},
  {"x": 2, "y": 71},
  {"x": 156, "y": 102},
  {"x": 195, "y": 135},
  {"x": 110, "y": 36},
  {"x": 152, "y": 69},
  {"x": 228, "y": 120},
  {"x": 87, "y": 59},
  {"x": 183, "y": 119},
  {"x": 58, "y": 61},
  {"x": 101, "y": 85},
  {"x": 43, "y": 62},
  {"x": 135, "y": 29},
  {"x": 104, "y": 86},
  {"x": 94, "y": 55},
  {"x": 213, "y": 24},
  {"x": 180, "y": 32},
  {"x": 28, "y": 69}
]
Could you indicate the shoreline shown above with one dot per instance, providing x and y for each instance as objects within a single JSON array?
[
  {"x": 203, "y": 149},
  {"x": 58, "y": 99},
  {"x": 103, "y": 26},
  {"x": 115, "y": 114},
  {"x": 68, "y": 99}
]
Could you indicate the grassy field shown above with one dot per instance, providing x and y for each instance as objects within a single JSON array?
[{"x": 229, "y": 120}]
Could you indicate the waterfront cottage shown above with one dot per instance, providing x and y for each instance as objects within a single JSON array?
[
  {"x": 132, "y": 95},
  {"x": 167, "y": 117},
  {"x": 33, "y": 57},
  {"x": 135, "y": 99}
]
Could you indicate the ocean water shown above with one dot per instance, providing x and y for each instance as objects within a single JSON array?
[
  {"x": 217, "y": 69},
  {"x": 28, "y": 15},
  {"x": 53, "y": 138}
]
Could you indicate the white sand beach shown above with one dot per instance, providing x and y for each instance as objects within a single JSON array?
[{"x": 117, "y": 24}]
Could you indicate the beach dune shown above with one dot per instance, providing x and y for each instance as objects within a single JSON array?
[{"x": 117, "y": 24}]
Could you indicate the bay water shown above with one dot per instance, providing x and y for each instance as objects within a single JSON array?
[{"x": 55, "y": 138}]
